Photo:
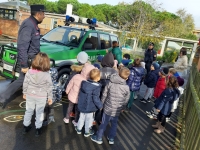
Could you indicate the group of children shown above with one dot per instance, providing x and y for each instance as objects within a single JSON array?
[{"x": 108, "y": 89}]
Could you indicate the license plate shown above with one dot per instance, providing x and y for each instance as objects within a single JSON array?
[{"x": 8, "y": 67}]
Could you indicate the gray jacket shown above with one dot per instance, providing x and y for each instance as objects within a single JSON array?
[
  {"x": 38, "y": 83},
  {"x": 115, "y": 95}
]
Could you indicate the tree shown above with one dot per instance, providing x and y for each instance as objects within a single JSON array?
[
  {"x": 62, "y": 5},
  {"x": 138, "y": 19},
  {"x": 83, "y": 13},
  {"x": 31, "y": 2}
]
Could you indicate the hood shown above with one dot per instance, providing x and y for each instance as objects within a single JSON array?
[
  {"x": 115, "y": 78},
  {"x": 86, "y": 70},
  {"x": 89, "y": 86},
  {"x": 50, "y": 48},
  {"x": 139, "y": 70},
  {"x": 108, "y": 60},
  {"x": 54, "y": 74},
  {"x": 76, "y": 68},
  {"x": 36, "y": 76}
]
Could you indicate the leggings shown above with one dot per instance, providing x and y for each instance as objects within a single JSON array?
[{"x": 162, "y": 119}]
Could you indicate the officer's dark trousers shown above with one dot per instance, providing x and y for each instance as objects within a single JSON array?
[
  {"x": 148, "y": 67},
  {"x": 12, "y": 88}
]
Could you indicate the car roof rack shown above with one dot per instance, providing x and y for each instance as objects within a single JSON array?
[{"x": 92, "y": 27}]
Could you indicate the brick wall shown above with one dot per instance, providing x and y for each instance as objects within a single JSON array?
[{"x": 9, "y": 27}]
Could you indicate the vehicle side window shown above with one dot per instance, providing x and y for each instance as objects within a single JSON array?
[
  {"x": 91, "y": 43},
  {"x": 113, "y": 38},
  {"x": 105, "y": 41},
  {"x": 57, "y": 35}
]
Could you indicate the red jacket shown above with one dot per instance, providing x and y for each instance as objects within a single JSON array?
[{"x": 160, "y": 87}]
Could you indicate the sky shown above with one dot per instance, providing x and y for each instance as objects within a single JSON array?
[{"x": 191, "y": 6}]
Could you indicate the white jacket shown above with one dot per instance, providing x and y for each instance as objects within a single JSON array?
[
  {"x": 181, "y": 64},
  {"x": 175, "y": 104}
]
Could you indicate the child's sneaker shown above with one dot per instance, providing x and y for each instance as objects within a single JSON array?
[
  {"x": 66, "y": 120},
  {"x": 148, "y": 113},
  {"x": 74, "y": 123},
  {"x": 91, "y": 132},
  {"x": 111, "y": 141},
  {"x": 154, "y": 116},
  {"x": 77, "y": 130},
  {"x": 143, "y": 101},
  {"x": 94, "y": 138},
  {"x": 72, "y": 115},
  {"x": 167, "y": 119},
  {"x": 148, "y": 100},
  {"x": 150, "y": 116}
]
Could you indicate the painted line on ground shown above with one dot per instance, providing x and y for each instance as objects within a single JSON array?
[{"x": 14, "y": 118}]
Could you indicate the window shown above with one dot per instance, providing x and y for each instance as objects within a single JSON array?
[
  {"x": 114, "y": 38},
  {"x": 105, "y": 41},
  {"x": 92, "y": 40},
  {"x": 64, "y": 36},
  {"x": 7, "y": 14}
]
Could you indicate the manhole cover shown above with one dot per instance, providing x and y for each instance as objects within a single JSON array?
[{"x": 14, "y": 118}]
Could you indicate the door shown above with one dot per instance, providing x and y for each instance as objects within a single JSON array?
[
  {"x": 105, "y": 43},
  {"x": 91, "y": 46}
]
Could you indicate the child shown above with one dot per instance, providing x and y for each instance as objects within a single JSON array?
[
  {"x": 74, "y": 86},
  {"x": 37, "y": 88},
  {"x": 150, "y": 82},
  {"x": 115, "y": 97},
  {"x": 161, "y": 83},
  {"x": 107, "y": 70},
  {"x": 98, "y": 63},
  {"x": 76, "y": 69},
  {"x": 89, "y": 102},
  {"x": 136, "y": 74},
  {"x": 165, "y": 102},
  {"x": 126, "y": 60}
]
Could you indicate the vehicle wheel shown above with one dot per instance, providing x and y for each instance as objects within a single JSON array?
[{"x": 63, "y": 76}]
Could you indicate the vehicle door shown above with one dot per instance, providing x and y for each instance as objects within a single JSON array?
[
  {"x": 91, "y": 46},
  {"x": 105, "y": 43}
]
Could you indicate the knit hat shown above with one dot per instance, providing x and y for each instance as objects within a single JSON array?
[
  {"x": 164, "y": 71},
  {"x": 99, "y": 58},
  {"x": 82, "y": 57},
  {"x": 142, "y": 64},
  {"x": 97, "y": 65},
  {"x": 180, "y": 81},
  {"x": 108, "y": 60},
  {"x": 156, "y": 65}
]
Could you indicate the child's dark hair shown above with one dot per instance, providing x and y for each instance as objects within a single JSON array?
[
  {"x": 136, "y": 62},
  {"x": 115, "y": 43},
  {"x": 41, "y": 62},
  {"x": 172, "y": 82},
  {"x": 127, "y": 56},
  {"x": 184, "y": 51}
]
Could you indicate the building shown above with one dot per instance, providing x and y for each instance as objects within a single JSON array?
[{"x": 197, "y": 32}]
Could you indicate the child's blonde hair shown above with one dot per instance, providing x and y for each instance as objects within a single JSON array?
[
  {"x": 172, "y": 70},
  {"x": 95, "y": 74},
  {"x": 41, "y": 62},
  {"x": 124, "y": 73}
]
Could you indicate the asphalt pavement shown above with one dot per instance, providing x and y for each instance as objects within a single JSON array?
[{"x": 134, "y": 130}]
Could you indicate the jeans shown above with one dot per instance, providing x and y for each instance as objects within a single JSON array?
[
  {"x": 87, "y": 119},
  {"x": 149, "y": 93},
  {"x": 12, "y": 88},
  {"x": 105, "y": 120},
  {"x": 131, "y": 99},
  {"x": 37, "y": 104}
]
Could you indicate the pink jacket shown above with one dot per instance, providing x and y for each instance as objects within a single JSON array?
[{"x": 75, "y": 83}]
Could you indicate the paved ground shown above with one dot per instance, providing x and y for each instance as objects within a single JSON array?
[{"x": 134, "y": 131}]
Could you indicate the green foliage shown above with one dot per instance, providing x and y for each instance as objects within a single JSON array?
[
  {"x": 62, "y": 4},
  {"x": 157, "y": 45},
  {"x": 170, "y": 56}
]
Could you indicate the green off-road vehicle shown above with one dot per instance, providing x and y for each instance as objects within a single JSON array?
[{"x": 62, "y": 44}]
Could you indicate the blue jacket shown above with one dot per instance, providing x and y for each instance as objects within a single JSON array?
[
  {"x": 151, "y": 79},
  {"x": 135, "y": 77},
  {"x": 88, "y": 99},
  {"x": 165, "y": 102}
]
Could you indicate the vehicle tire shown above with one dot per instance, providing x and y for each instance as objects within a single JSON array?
[{"x": 63, "y": 76}]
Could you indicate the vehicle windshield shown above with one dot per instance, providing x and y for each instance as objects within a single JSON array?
[{"x": 64, "y": 36}]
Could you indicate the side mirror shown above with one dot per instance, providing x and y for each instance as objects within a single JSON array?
[
  {"x": 87, "y": 46},
  {"x": 41, "y": 36}
]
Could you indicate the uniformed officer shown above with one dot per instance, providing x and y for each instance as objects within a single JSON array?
[
  {"x": 28, "y": 46},
  {"x": 149, "y": 56}
]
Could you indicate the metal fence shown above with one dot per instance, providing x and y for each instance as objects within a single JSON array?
[{"x": 190, "y": 134}]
